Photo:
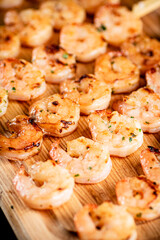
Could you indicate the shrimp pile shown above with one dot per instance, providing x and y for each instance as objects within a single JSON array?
[
  {"x": 45, "y": 186},
  {"x": 83, "y": 40},
  {"x": 150, "y": 162},
  {"x": 140, "y": 196},
  {"x": 153, "y": 78},
  {"x": 55, "y": 63},
  {"x": 117, "y": 23},
  {"x": 144, "y": 105},
  {"x": 87, "y": 161},
  {"x": 91, "y": 93},
  {"x": 3, "y": 101},
  {"x": 64, "y": 12},
  {"x": 105, "y": 222},
  {"x": 25, "y": 141},
  {"x": 142, "y": 51},
  {"x": 21, "y": 79},
  {"x": 121, "y": 134},
  {"x": 55, "y": 115},
  {"x": 10, "y": 3},
  {"x": 118, "y": 72}
]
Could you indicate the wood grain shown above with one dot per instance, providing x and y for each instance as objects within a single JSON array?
[{"x": 58, "y": 224}]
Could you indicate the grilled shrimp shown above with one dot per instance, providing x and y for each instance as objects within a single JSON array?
[
  {"x": 83, "y": 40},
  {"x": 153, "y": 78},
  {"x": 106, "y": 221},
  {"x": 25, "y": 141},
  {"x": 117, "y": 23},
  {"x": 140, "y": 196},
  {"x": 118, "y": 72},
  {"x": 142, "y": 51},
  {"x": 56, "y": 64},
  {"x": 87, "y": 161},
  {"x": 21, "y": 79},
  {"x": 92, "y": 93},
  {"x": 3, "y": 101},
  {"x": 10, "y": 3},
  {"x": 56, "y": 115},
  {"x": 92, "y": 5},
  {"x": 64, "y": 12},
  {"x": 45, "y": 186},
  {"x": 144, "y": 105},
  {"x": 9, "y": 43},
  {"x": 150, "y": 162},
  {"x": 121, "y": 134}
]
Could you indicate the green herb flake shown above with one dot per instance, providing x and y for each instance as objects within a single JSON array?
[
  {"x": 139, "y": 215},
  {"x": 52, "y": 71},
  {"x": 13, "y": 89},
  {"x": 109, "y": 126},
  {"x": 112, "y": 62},
  {"x": 146, "y": 122},
  {"x": 0, "y": 110},
  {"x": 90, "y": 168},
  {"x": 41, "y": 110},
  {"x": 132, "y": 117},
  {"x": 130, "y": 139},
  {"x": 76, "y": 175},
  {"x": 65, "y": 55},
  {"x": 12, "y": 81},
  {"x": 102, "y": 28},
  {"x": 140, "y": 130},
  {"x": 123, "y": 138},
  {"x": 113, "y": 91}
]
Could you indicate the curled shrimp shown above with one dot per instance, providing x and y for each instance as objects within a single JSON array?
[
  {"x": 118, "y": 72},
  {"x": 91, "y": 93},
  {"x": 112, "y": 21},
  {"x": 106, "y": 221},
  {"x": 64, "y": 12},
  {"x": 9, "y": 43},
  {"x": 56, "y": 64},
  {"x": 10, "y": 3},
  {"x": 3, "y": 101},
  {"x": 140, "y": 196},
  {"x": 152, "y": 77},
  {"x": 87, "y": 161},
  {"x": 142, "y": 51},
  {"x": 56, "y": 115},
  {"x": 45, "y": 186},
  {"x": 121, "y": 134},
  {"x": 83, "y": 40},
  {"x": 150, "y": 162},
  {"x": 25, "y": 141},
  {"x": 144, "y": 105},
  {"x": 21, "y": 79}
]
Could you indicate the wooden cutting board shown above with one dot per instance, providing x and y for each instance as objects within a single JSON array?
[{"x": 58, "y": 224}]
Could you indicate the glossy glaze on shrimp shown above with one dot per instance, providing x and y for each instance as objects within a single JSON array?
[
  {"x": 117, "y": 71},
  {"x": 21, "y": 79},
  {"x": 25, "y": 141},
  {"x": 153, "y": 78},
  {"x": 64, "y": 12},
  {"x": 144, "y": 105},
  {"x": 91, "y": 93},
  {"x": 45, "y": 186},
  {"x": 140, "y": 196},
  {"x": 87, "y": 161},
  {"x": 142, "y": 51},
  {"x": 117, "y": 23},
  {"x": 150, "y": 162},
  {"x": 83, "y": 40},
  {"x": 56, "y": 115},
  {"x": 121, "y": 134},
  {"x": 9, "y": 43},
  {"x": 56, "y": 64},
  {"x": 3, "y": 101},
  {"x": 106, "y": 221}
]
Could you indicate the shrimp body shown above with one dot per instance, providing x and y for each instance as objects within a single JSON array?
[
  {"x": 92, "y": 93},
  {"x": 56, "y": 64},
  {"x": 21, "y": 79},
  {"x": 150, "y": 162},
  {"x": 56, "y": 115},
  {"x": 46, "y": 185},
  {"x": 140, "y": 196},
  {"x": 144, "y": 105},
  {"x": 112, "y": 21},
  {"x": 118, "y": 72},
  {"x": 142, "y": 51},
  {"x": 105, "y": 222},
  {"x": 25, "y": 141},
  {"x": 153, "y": 78},
  {"x": 121, "y": 134},
  {"x": 3, "y": 101},
  {"x": 87, "y": 161},
  {"x": 9, "y": 43},
  {"x": 10, "y": 3},
  {"x": 83, "y": 40},
  {"x": 64, "y": 12}
]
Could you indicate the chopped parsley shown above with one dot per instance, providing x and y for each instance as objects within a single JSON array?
[
  {"x": 102, "y": 28},
  {"x": 65, "y": 55},
  {"x": 140, "y": 130},
  {"x": 123, "y": 138},
  {"x": 13, "y": 89},
  {"x": 139, "y": 215},
  {"x": 76, "y": 175},
  {"x": 132, "y": 117},
  {"x": 146, "y": 122},
  {"x": 52, "y": 71},
  {"x": 130, "y": 139},
  {"x": 109, "y": 126},
  {"x": 90, "y": 168}
]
